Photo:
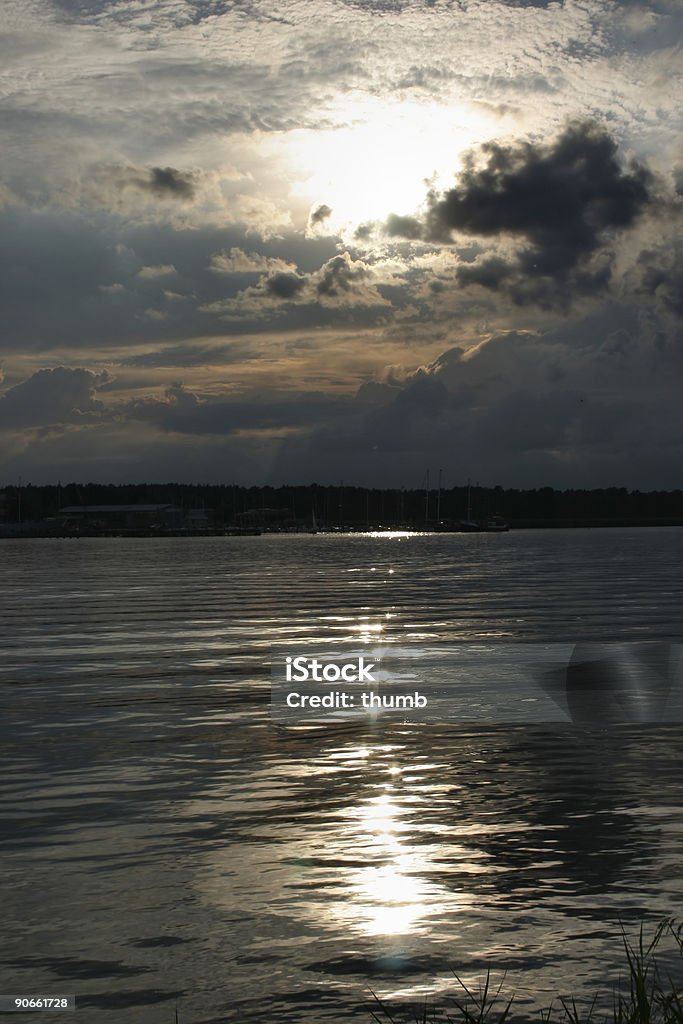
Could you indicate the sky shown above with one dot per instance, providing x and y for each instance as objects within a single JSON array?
[{"x": 296, "y": 241}]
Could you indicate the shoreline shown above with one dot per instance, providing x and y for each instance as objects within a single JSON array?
[{"x": 16, "y": 531}]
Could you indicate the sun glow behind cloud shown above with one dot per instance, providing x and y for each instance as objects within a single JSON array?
[{"x": 380, "y": 156}]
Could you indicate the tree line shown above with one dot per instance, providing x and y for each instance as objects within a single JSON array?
[{"x": 343, "y": 504}]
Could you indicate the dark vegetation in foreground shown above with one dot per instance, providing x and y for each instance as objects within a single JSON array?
[
  {"x": 333, "y": 506},
  {"x": 648, "y": 994}
]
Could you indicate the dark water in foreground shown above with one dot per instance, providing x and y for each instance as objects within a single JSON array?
[{"x": 164, "y": 841}]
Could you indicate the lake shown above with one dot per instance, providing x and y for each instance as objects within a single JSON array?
[{"x": 166, "y": 844}]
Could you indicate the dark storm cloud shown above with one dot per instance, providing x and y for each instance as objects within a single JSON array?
[
  {"x": 167, "y": 182},
  {"x": 563, "y": 198},
  {"x": 285, "y": 285},
  {"x": 403, "y": 227},
  {"x": 184, "y": 412},
  {"x": 423, "y": 402},
  {"x": 662, "y": 277},
  {"x": 339, "y": 274},
  {"x": 364, "y": 231},
  {"x": 70, "y": 279},
  {"x": 583, "y": 406},
  {"x": 319, "y": 215},
  {"x": 51, "y": 396},
  {"x": 54, "y": 265},
  {"x": 489, "y": 273},
  {"x": 562, "y": 202},
  {"x": 558, "y": 293}
]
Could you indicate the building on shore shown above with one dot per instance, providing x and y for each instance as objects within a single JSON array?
[{"x": 126, "y": 518}]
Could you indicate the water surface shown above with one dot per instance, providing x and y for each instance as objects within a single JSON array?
[{"x": 164, "y": 842}]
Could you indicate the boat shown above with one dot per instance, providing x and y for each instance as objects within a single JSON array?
[
  {"x": 492, "y": 523},
  {"x": 468, "y": 524},
  {"x": 495, "y": 524}
]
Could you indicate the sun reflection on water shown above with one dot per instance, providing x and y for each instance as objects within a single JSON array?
[
  {"x": 390, "y": 895},
  {"x": 393, "y": 534},
  {"x": 373, "y": 865}
]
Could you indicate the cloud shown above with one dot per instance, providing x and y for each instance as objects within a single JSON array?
[
  {"x": 403, "y": 227},
  {"x": 489, "y": 273},
  {"x": 318, "y": 216},
  {"x": 662, "y": 277},
  {"x": 160, "y": 270},
  {"x": 185, "y": 412},
  {"x": 340, "y": 282},
  {"x": 564, "y": 201},
  {"x": 167, "y": 182},
  {"x": 340, "y": 274},
  {"x": 563, "y": 197},
  {"x": 590, "y": 404},
  {"x": 52, "y": 396},
  {"x": 104, "y": 184},
  {"x": 198, "y": 354},
  {"x": 236, "y": 261},
  {"x": 194, "y": 135},
  {"x": 74, "y": 280},
  {"x": 284, "y": 285},
  {"x": 165, "y": 194}
]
